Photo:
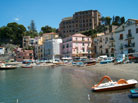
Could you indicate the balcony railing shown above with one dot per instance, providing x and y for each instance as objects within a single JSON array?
[
  {"x": 129, "y": 45},
  {"x": 121, "y": 47},
  {"x": 112, "y": 39},
  {"x": 112, "y": 46},
  {"x": 129, "y": 36},
  {"x": 131, "y": 51}
]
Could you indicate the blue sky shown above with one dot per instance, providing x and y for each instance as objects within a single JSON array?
[{"x": 51, "y": 12}]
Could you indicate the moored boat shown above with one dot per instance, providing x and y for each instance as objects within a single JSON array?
[
  {"x": 27, "y": 66},
  {"x": 3, "y": 66},
  {"x": 134, "y": 93},
  {"x": 108, "y": 86}
]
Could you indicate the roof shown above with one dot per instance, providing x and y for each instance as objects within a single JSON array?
[
  {"x": 100, "y": 34},
  {"x": 50, "y": 33},
  {"x": 136, "y": 20},
  {"x": 67, "y": 18},
  {"x": 79, "y": 35}
]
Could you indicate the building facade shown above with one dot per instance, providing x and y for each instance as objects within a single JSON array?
[
  {"x": 23, "y": 55},
  {"x": 127, "y": 37},
  {"x": 52, "y": 49},
  {"x": 40, "y": 47},
  {"x": 81, "y": 21},
  {"x": 2, "y": 50},
  {"x": 29, "y": 42},
  {"x": 77, "y": 45},
  {"x": 105, "y": 44}
]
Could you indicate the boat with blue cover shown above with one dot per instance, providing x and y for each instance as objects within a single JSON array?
[
  {"x": 107, "y": 60},
  {"x": 134, "y": 93}
]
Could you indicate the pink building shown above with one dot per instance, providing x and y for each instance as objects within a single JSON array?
[
  {"x": 23, "y": 54},
  {"x": 77, "y": 45}
]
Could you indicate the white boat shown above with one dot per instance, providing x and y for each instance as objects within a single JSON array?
[
  {"x": 120, "y": 84},
  {"x": 4, "y": 66}
]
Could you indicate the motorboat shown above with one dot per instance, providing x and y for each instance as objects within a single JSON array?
[
  {"x": 4, "y": 66},
  {"x": 134, "y": 93},
  {"x": 111, "y": 85},
  {"x": 27, "y": 66},
  {"x": 77, "y": 63},
  {"x": 107, "y": 60}
]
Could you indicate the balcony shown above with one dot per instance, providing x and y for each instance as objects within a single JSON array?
[
  {"x": 112, "y": 46},
  {"x": 131, "y": 45},
  {"x": 111, "y": 39},
  {"x": 129, "y": 36},
  {"x": 101, "y": 47},
  {"x": 121, "y": 47},
  {"x": 131, "y": 50},
  {"x": 81, "y": 41}
]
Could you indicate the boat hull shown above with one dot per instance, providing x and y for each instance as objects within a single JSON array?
[
  {"x": 7, "y": 68},
  {"x": 133, "y": 95},
  {"x": 26, "y": 67},
  {"x": 114, "y": 88}
]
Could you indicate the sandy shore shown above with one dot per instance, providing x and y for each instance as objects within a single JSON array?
[{"x": 116, "y": 72}]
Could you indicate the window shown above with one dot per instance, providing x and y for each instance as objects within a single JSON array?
[
  {"x": 106, "y": 50},
  {"x": 136, "y": 30},
  {"x": 121, "y": 37},
  {"x": 67, "y": 45},
  {"x": 82, "y": 38},
  {"x": 83, "y": 44},
  {"x": 83, "y": 49},
  {"x": 63, "y": 46},
  {"x": 129, "y": 31}
]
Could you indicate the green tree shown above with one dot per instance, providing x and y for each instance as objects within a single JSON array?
[
  {"x": 103, "y": 20},
  {"x": 12, "y": 33},
  {"x": 32, "y": 26},
  {"x": 122, "y": 20},
  {"x": 116, "y": 21},
  {"x": 47, "y": 29},
  {"x": 108, "y": 20},
  {"x": 32, "y": 32}
]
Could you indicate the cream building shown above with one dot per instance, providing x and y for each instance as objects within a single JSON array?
[{"x": 81, "y": 21}]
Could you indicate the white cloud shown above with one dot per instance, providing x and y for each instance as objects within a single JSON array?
[{"x": 16, "y": 19}]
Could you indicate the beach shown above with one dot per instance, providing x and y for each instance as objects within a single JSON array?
[{"x": 116, "y": 72}]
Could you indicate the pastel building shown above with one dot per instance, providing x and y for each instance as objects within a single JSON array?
[
  {"x": 40, "y": 46},
  {"x": 28, "y": 41},
  {"x": 126, "y": 37},
  {"x": 77, "y": 45}
]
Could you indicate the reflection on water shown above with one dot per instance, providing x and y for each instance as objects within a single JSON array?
[{"x": 54, "y": 85}]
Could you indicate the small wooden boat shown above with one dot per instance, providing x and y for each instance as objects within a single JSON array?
[
  {"x": 91, "y": 63},
  {"x": 134, "y": 93},
  {"x": 120, "y": 84}
]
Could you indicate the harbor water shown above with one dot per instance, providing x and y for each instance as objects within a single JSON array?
[{"x": 54, "y": 85}]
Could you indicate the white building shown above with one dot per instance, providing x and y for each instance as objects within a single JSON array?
[
  {"x": 52, "y": 49},
  {"x": 2, "y": 50},
  {"x": 126, "y": 37},
  {"x": 104, "y": 44}
]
